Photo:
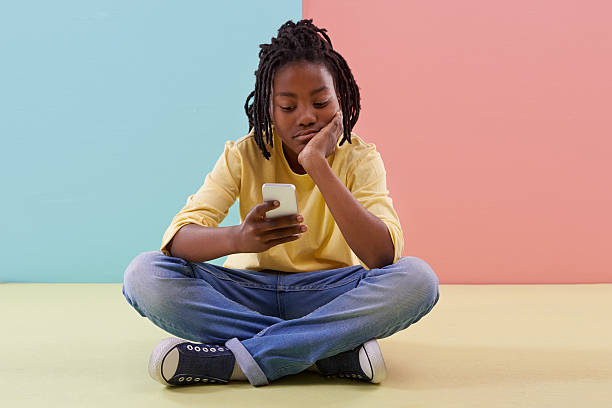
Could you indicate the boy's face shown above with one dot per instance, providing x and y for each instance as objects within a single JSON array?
[{"x": 303, "y": 99}]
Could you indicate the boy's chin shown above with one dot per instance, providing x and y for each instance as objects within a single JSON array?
[{"x": 294, "y": 149}]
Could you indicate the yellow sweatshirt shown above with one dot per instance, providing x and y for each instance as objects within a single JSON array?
[{"x": 240, "y": 172}]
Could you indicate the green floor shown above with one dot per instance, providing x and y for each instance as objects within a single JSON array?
[{"x": 82, "y": 345}]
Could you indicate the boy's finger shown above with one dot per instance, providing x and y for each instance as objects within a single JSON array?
[
  {"x": 285, "y": 221},
  {"x": 283, "y": 240},
  {"x": 266, "y": 206}
]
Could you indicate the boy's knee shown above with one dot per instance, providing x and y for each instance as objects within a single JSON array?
[
  {"x": 141, "y": 261},
  {"x": 140, "y": 288},
  {"x": 420, "y": 280},
  {"x": 138, "y": 269}
]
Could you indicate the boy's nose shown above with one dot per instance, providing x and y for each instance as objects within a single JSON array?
[{"x": 307, "y": 118}]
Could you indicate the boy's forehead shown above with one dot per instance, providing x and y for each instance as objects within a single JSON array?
[
  {"x": 314, "y": 91},
  {"x": 292, "y": 77}
]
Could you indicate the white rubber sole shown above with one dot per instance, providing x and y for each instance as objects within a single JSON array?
[
  {"x": 158, "y": 354},
  {"x": 372, "y": 361}
]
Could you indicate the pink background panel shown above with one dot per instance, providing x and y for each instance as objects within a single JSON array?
[{"x": 495, "y": 123}]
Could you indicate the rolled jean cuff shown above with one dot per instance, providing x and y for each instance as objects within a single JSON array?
[{"x": 249, "y": 367}]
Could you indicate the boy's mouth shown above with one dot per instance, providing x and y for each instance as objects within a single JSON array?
[
  {"x": 305, "y": 138},
  {"x": 306, "y": 132}
]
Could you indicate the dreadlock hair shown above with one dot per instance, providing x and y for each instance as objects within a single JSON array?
[{"x": 299, "y": 42}]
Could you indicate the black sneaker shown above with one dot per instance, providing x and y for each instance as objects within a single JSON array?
[
  {"x": 363, "y": 363},
  {"x": 178, "y": 362}
]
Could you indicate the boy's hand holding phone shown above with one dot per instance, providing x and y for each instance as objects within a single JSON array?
[
  {"x": 273, "y": 222},
  {"x": 258, "y": 233}
]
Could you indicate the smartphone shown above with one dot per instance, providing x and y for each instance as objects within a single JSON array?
[{"x": 284, "y": 194}]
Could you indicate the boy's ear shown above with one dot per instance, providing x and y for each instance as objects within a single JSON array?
[
  {"x": 271, "y": 111},
  {"x": 271, "y": 102}
]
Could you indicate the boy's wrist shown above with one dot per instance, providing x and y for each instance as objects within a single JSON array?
[
  {"x": 313, "y": 162},
  {"x": 235, "y": 239}
]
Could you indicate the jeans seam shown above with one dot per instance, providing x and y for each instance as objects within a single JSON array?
[
  {"x": 319, "y": 287},
  {"x": 278, "y": 296}
]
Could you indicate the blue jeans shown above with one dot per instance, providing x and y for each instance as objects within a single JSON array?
[{"x": 279, "y": 323}]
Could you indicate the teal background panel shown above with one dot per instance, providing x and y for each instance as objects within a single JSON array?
[{"x": 111, "y": 115}]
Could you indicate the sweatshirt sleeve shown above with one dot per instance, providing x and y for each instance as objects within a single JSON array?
[
  {"x": 211, "y": 203},
  {"x": 368, "y": 183}
]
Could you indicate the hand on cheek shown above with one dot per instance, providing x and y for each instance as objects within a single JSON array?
[{"x": 323, "y": 144}]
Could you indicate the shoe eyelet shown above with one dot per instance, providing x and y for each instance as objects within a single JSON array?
[
  {"x": 189, "y": 347},
  {"x": 213, "y": 349},
  {"x": 188, "y": 378},
  {"x": 181, "y": 379},
  {"x": 196, "y": 379},
  {"x": 205, "y": 379},
  {"x": 197, "y": 348},
  {"x": 354, "y": 375},
  {"x": 220, "y": 349},
  {"x": 204, "y": 349}
]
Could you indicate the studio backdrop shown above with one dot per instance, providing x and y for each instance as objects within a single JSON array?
[{"x": 493, "y": 120}]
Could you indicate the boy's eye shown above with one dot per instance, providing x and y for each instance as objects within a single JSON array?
[{"x": 317, "y": 105}]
